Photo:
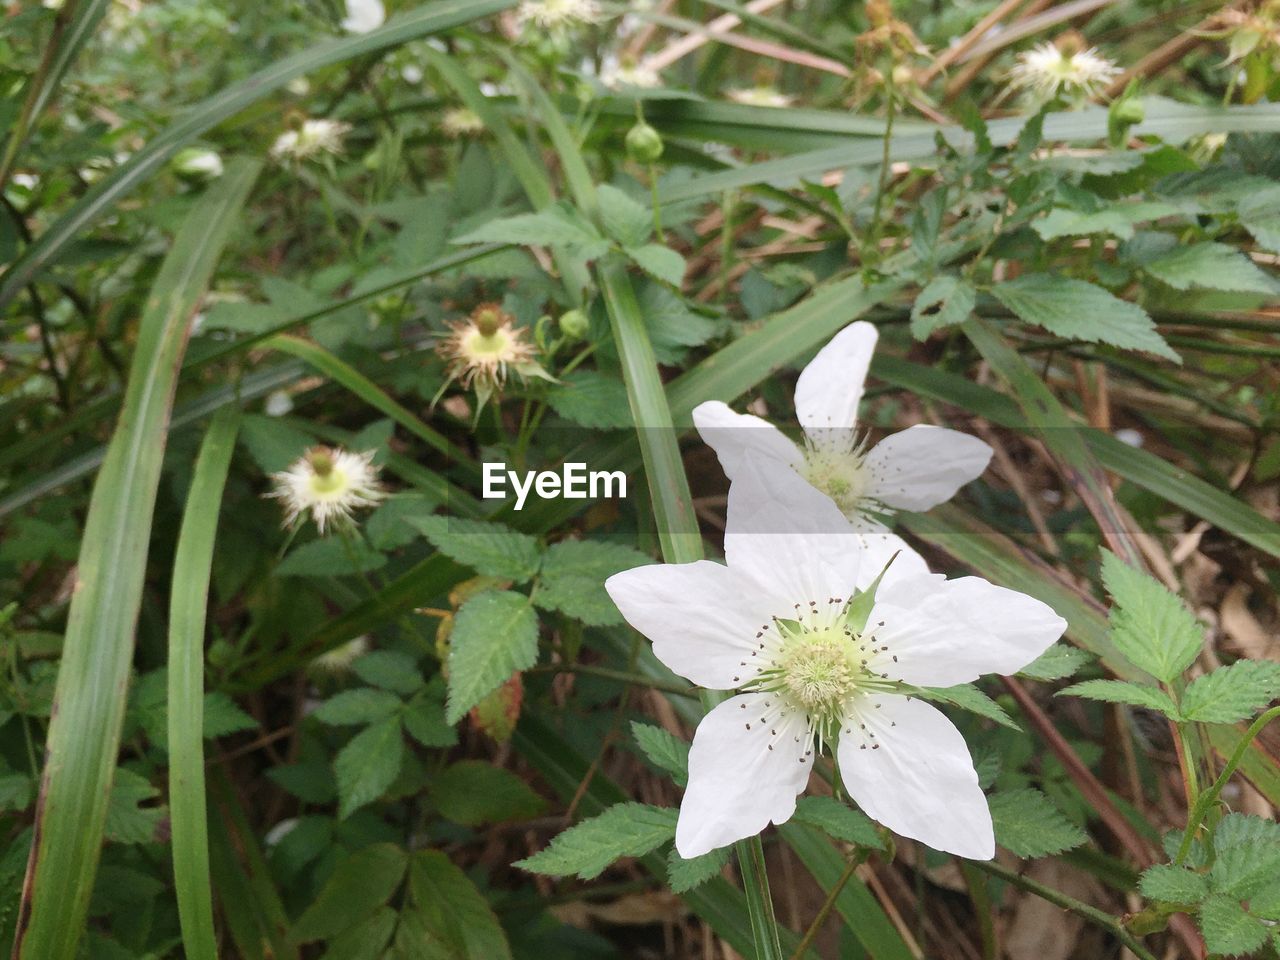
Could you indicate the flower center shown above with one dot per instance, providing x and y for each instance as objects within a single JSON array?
[
  {"x": 492, "y": 346},
  {"x": 331, "y": 483},
  {"x": 839, "y": 474},
  {"x": 817, "y": 669}
]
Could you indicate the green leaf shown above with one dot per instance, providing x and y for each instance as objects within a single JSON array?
[
  {"x": 555, "y": 226},
  {"x": 1173, "y": 884},
  {"x": 1057, "y": 663},
  {"x": 573, "y": 576},
  {"x": 495, "y": 634},
  {"x": 16, "y": 792},
  {"x": 625, "y": 220},
  {"x": 1210, "y": 266},
  {"x": 684, "y": 875},
  {"x": 358, "y": 886},
  {"x": 356, "y": 707},
  {"x": 424, "y": 719},
  {"x": 591, "y": 399},
  {"x": 968, "y": 697},
  {"x": 487, "y": 548},
  {"x": 127, "y": 820},
  {"x": 624, "y": 830},
  {"x": 1149, "y": 625},
  {"x": 331, "y": 556},
  {"x": 1234, "y": 693},
  {"x": 1228, "y": 929},
  {"x": 455, "y": 911},
  {"x": 223, "y": 717},
  {"x": 1122, "y": 691},
  {"x": 365, "y": 940},
  {"x": 1247, "y": 855},
  {"x": 660, "y": 261},
  {"x": 389, "y": 670},
  {"x": 1081, "y": 311},
  {"x": 1027, "y": 824},
  {"x": 473, "y": 792},
  {"x": 388, "y": 526},
  {"x": 673, "y": 326},
  {"x": 368, "y": 764},
  {"x": 1117, "y": 219},
  {"x": 838, "y": 820},
  {"x": 945, "y": 300},
  {"x": 664, "y": 750}
]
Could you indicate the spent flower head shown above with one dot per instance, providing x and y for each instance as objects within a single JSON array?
[
  {"x": 620, "y": 76},
  {"x": 313, "y": 137},
  {"x": 329, "y": 484},
  {"x": 1064, "y": 70},
  {"x": 461, "y": 122},
  {"x": 827, "y": 635},
  {"x": 760, "y": 96},
  {"x": 483, "y": 349},
  {"x": 557, "y": 17},
  {"x": 916, "y": 469}
]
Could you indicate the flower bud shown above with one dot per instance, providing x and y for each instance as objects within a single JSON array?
[
  {"x": 644, "y": 144},
  {"x": 196, "y": 163},
  {"x": 574, "y": 324}
]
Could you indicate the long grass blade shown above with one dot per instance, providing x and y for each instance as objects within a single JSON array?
[
  {"x": 89, "y": 699},
  {"x": 188, "y": 607}
]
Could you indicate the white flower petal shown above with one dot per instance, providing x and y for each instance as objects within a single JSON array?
[
  {"x": 702, "y": 617},
  {"x": 923, "y": 466},
  {"x": 915, "y": 775},
  {"x": 791, "y": 540},
  {"x": 738, "y": 785},
  {"x": 890, "y": 553},
  {"x": 945, "y": 632},
  {"x": 830, "y": 387},
  {"x": 736, "y": 435}
]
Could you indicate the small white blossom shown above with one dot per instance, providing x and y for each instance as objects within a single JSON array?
[
  {"x": 1047, "y": 72},
  {"x": 315, "y": 136},
  {"x": 328, "y": 484},
  {"x": 814, "y": 661},
  {"x": 617, "y": 76},
  {"x": 363, "y": 16},
  {"x": 916, "y": 469},
  {"x": 760, "y": 97},
  {"x": 461, "y": 122},
  {"x": 557, "y": 16},
  {"x": 198, "y": 163},
  {"x": 340, "y": 658}
]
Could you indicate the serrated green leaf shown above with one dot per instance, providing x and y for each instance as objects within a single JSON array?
[
  {"x": 660, "y": 261},
  {"x": 684, "y": 875},
  {"x": 1173, "y": 884},
  {"x": 368, "y": 764},
  {"x": 968, "y": 697},
  {"x": 358, "y": 886},
  {"x": 1210, "y": 266},
  {"x": 664, "y": 750},
  {"x": 455, "y": 911},
  {"x": 624, "y": 830},
  {"x": 573, "y": 576},
  {"x": 333, "y": 556},
  {"x": 1027, "y": 824},
  {"x": 625, "y": 220},
  {"x": 1234, "y": 693},
  {"x": 838, "y": 820},
  {"x": 424, "y": 720},
  {"x": 223, "y": 717},
  {"x": 127, "y": 820},
  {"x": 1246, "y": 855},
  {"x": 673, "y": 326},
  {"x": 554, "y": 226},
  {"x": 16, "y": 791},
  {"x": 1228, "y": 929},
  {"x": 388, "y": 670},
  {"x": 1081, "y": 311},
  {"x": 487, "y": 548},
  {"x": 472, "y": 793},
  {"x": 365, "y": 940},
  {"x": 591, "y": 399},
  {"x": 356, "y": 707},
  {"x": 495, "y": 634},
  {"x": 1117, "y": 219},
  {"x": 1121, "y": 691},
  {"x": 1149, "y": 625},
  {"x": 1057, "y": 663},
  {"x": 387, "y": 527},
  {"x": 945, "y": 301}
]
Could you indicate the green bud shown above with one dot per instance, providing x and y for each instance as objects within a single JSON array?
[
  {"x": 221, "y": 653},
  {"x": 574, "y": 324},
  {"x": 644, "y": 144}
]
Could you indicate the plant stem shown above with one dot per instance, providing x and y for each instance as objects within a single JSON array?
[
  {"x": 621, "y": 676},
  {"x": 1099, "y": 918},
  {"x": 830, "y": 902}
]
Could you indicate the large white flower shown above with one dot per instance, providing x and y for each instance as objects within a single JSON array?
[
  {"x": 915, "y": 469},
  {"x": 363, "y": 16},
  {"x": 781, "y": 624}
]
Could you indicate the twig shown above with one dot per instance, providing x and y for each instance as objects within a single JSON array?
[{"x": 807, "y": 940}]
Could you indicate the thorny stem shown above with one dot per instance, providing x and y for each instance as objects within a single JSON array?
[
  {"x": 807, "y": 940},
  {"x": 1099, "y": 918},
  {"x": 1205, "y": 800}
]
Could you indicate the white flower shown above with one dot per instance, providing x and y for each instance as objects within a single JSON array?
[
  {"x": 329, "y": 484},
  {"x": 557, "y": 16},
  {"x": 618, "y": 76},
  {"x": 915, "y": 469},
  {"x": 760, "y": 97},
  {"x": 198, "y": 163},
  {"x": 313, "y": 137},
  {"x": 363, "y": 16},
  {"x": 1047, "y": 72},
  {"x": 461, "y": 122},
  {"x": 811, "y": 668},
  {"x": 340, "y": 658}
]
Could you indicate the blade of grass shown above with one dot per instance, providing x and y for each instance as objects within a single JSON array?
[
  {"x": 223, "y": 105},
  {"x": 188, "y": 607},
  {"x": 89, "y": 699}
]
